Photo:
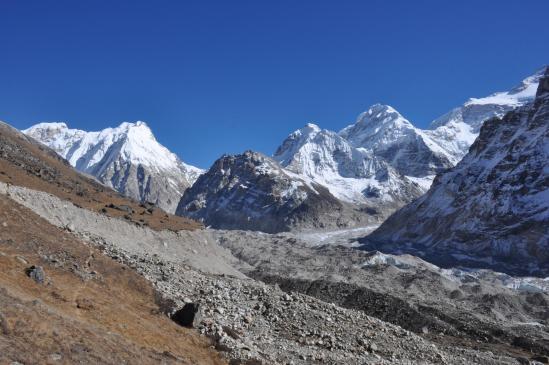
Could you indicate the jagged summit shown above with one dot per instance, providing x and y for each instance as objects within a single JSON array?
[
  {"x": 127, "y": 158},
  {"x": 384, "y": 133},
  {"x": 311, "y": 127},
  {"x": 378, "y": 119}
]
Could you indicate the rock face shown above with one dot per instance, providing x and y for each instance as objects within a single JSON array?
[
  {"x": 127, "y": 158},
  {"x": 492, "y": 209},
  {"x": 252, "y": 191}
]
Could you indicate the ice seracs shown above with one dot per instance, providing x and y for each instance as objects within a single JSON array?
[{"x": 127, "y": 158}]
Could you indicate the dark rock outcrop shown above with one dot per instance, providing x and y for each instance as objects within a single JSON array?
[{"x": 253, "y": 192}]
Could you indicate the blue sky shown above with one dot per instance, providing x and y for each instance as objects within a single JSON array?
[{"x": 214, "y": 77}]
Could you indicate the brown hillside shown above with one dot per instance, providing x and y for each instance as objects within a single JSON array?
[
  {"x": 90, "y": 308},
  {"x": 25, "y": 162}
]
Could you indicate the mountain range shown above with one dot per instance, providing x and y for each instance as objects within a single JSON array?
[
  {"x": 146, "y": 286},
  {"x": 371, "y": 167}
]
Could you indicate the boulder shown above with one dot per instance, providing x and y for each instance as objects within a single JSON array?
[
  {"x": 36, "y": 273},
  {"x": 188, "y": 316}
]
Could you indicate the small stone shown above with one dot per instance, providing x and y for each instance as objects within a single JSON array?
[
  {"x": 56, "y": 357},
  {"x": 84, "y": 304},
  {"x": 36, "y": 273},
  {"x": 4, "y": 325},
  {"x": 372, "y": 347},
  {"x": 21, "y": 259}
]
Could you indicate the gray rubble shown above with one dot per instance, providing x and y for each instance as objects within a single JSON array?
[{"x": 247, "y": 319}]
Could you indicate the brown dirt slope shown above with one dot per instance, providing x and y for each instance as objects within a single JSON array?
[
  {"x": 25, "y": 162},
  {"x": 90, "y": 309}
]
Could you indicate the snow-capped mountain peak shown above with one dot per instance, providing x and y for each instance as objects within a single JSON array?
[
  {"x": 383, "y": 132},
  {"x": 351, "y": 174},
  {"x": 127, "y": 158},
  {"x": 377, "y": 123},
  {"x": 476, "y": 110}
]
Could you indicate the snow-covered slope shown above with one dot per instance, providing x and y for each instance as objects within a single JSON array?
[
  {"x": 386, "y": 134},
  {"x": 252, "y": 191},
  {"x": 456, "y": 130},
  {"x": 127, "y": 158},
  {"x": 350, "y": 174},
  {"x": 492, "y": 209},
  {"x": 421, "y": 154}
]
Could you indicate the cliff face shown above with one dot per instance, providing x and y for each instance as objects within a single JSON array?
[{"x": 492, "y": 209}]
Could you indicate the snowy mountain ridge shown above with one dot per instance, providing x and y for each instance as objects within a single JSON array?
[
  {"x": 383, "y": 152},
  {"x": 382, "y": 161},
  {"x": 351, "y": 174},
  {"x": 127, "y": 158},
  {"x": 492, "y": 208}
]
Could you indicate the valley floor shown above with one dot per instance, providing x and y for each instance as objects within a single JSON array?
[{"x": 263, "y": 298}]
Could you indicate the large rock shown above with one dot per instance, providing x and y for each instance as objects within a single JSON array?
[{"x": 188, "y": 316}]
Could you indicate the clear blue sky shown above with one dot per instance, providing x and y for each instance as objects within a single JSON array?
[{"x": 213, "y": 77}]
